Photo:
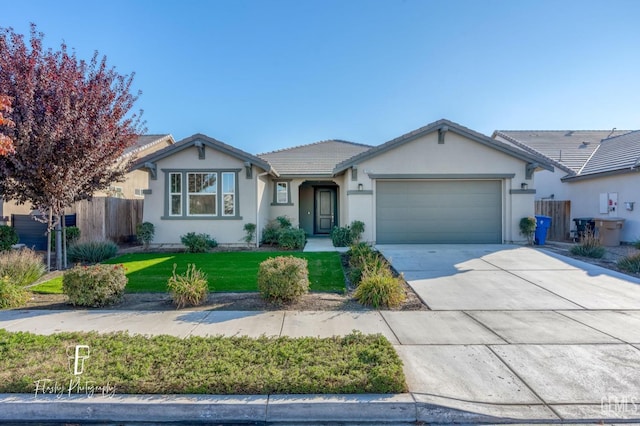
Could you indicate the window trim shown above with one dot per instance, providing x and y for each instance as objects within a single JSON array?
[
  {"x": 287, "y": 182},
  {"x": 170, "y": 195},
  {"x": 184, "y": 194},
  {"x": 224, "y": 194},
  {"x": 201, "y": 194}
]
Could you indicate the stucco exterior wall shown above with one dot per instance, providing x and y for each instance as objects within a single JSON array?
[
  {"x": 456, "y": 157},
  {"x": 548, "y": 183},
  {"x": 224, "y": 230},
  {"x": 585, "y": 200}
]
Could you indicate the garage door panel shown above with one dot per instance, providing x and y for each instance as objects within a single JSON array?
[{"x": 438, "y": 212}]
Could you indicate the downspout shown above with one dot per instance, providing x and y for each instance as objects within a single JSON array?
[{"x": 258, "y": 208}]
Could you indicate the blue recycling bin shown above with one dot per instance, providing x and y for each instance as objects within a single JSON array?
[{"x": 542, "y": 225}]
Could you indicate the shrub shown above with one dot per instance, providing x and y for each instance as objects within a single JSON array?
[
  {"x": 12, "y": 295},
  {"x": 21, "y": 267},
  {"x": 72, "y": 234},
  {"x": 341, "y": 236},
  {"x": 291, "y": 239},
  {"x": 190, "y": 288},
  {"x": 637, "y": 244},
  {"x": 284, "y": 222},
  {"x": 198, "y": 243},
  {"x": 145, "y": 232},
  {"x": 589, "y": 246},
  {"x": 283, "y": 278},
  {"x": 94, "y": 286},
  {"x": 270, "y": 233},
  {"x": 364, "y": 261},
  {"x": 8, "y": 237},
  {"x": 527, "y": 228},
  {"x": 347, "y": 235},
  {"x": 380, "y": 291},
  {"x": 92, "y": 251},
  {"x": 630, "y": 263},
  {"x": 250, "y": 232}
]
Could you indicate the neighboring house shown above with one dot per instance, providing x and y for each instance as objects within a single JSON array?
[
  {"x": 442, "y": 183},
  {"x": 596, "y": 170},
  {"x": 91, "y": 226}
]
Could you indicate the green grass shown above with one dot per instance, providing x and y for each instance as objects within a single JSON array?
[
  {"x": 138, "y": 364},
  {"x": 227, "y": 271}
]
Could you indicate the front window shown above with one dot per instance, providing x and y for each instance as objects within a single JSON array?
[
  {"x": 202, "y": 194},
  {"x": 229, "y": 194},
  {"x": 282, "y": 192},
  {"x": 175, "y": 194}
]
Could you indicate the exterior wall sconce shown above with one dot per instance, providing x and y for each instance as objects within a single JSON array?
[
  {"x": 629, "y": 205},
  {"x": 360, "y": 187},
  {"x": 524, "y": 185}
]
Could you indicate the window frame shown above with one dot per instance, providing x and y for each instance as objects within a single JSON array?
[
  {"x": 171, "y": 194},
  {"x": 223, "y": 203},
  {"x": 287, "y": 183},
  {"x": 190, "y": 194},
  {"x": 185, "y": 194}
]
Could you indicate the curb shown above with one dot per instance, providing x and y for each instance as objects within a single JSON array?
[{"x": 264, "y": 409}]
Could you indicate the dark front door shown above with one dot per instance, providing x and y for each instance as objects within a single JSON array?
[{"x": 325, "y": 210}]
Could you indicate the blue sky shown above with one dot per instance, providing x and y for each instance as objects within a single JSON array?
[{"x": 269, "y": 74}]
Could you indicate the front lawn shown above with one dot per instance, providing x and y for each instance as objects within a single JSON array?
[
  {"x": 227, "y": 271},
  {"x": 119, "y": 363}
]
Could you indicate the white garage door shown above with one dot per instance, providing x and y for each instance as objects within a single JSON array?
[{"x": 437, "y": 212}]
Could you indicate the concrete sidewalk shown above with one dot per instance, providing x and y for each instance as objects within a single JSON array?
[{"x": 516, "y": 335}]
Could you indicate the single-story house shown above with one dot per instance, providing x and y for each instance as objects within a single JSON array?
[
  {"x": 596, "y": 170},
  {"x": 442, "y": 183}
]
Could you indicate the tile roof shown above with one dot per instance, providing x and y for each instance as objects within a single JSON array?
[
  {"x": 146, "y": 141},
  {"x": 618, "y": 153},
  {"x": 316, "y": 159},
  {"x": 569, "y": 148}
]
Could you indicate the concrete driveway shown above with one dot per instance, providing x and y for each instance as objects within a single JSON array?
[{"x": 519, "y": 332}]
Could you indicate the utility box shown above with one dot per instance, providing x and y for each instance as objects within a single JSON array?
[{"x": 609, "y": 230}]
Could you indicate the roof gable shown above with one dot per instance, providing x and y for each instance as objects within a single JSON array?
[
  {"x": 202, "y": 142},
  {"x": 444, "y": 126},
  {"x": 315, "y": 159}
]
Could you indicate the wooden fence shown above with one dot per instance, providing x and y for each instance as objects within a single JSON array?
[
  {"x": 560, "y": 213},
  {"x": 108, "y": 218}
]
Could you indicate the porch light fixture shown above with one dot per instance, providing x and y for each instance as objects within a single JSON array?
[
  {"x": 360, "y": 187},
  {"x": 524, "y": 185}
]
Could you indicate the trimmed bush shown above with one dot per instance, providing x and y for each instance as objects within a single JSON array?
[
  {"x": 291, "y": 239},
  {"x": 250, "y": 232},
  {"x": 198, "y": 243},
  {"x": 380, "y": 291},
  {"x": 190, "y": 288},
  {"x": 270, "y": 233},
  {"x": 21, "y": 267},
  {"x": 347, "y": 235},
  {"x": 145, "y": 232},
  {"x": 630, "y": 263},
  {"x": 589, "y": 246},
  {"x": 94, "y": 286},
  {"x": 283, "y": 278},
  {"x": 12, "y": 295},
  {"x": 91, "y": 251},
  {"x": 528, "y": 228},
  {"x": 8, "y": 237},
  {"x": 341, "y": 236}
]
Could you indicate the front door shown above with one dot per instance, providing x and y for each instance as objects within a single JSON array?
[{"x": 325, "y": 210}]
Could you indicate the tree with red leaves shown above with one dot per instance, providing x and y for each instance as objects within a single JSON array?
[
  {"x": 72, "y": 123},
  {"x": 6, "y": 144}
]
